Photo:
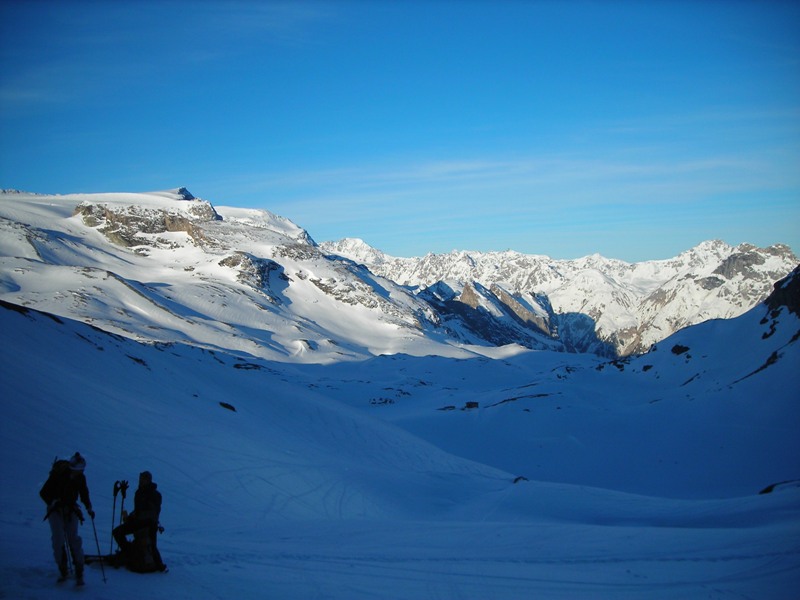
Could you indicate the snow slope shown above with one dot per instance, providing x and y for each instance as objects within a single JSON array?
[
  {"x": 673, "y": 422},
  {"x": 320, "y": 484}
]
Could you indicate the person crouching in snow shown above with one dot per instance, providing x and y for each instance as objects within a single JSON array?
[
  {"x": 142, "y": 554},
  {"x": 60, "y": 492}
]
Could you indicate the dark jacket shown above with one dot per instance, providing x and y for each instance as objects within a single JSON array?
[
  {"x": 62, "y": 490},
  {"x": 147, "y": 504}
]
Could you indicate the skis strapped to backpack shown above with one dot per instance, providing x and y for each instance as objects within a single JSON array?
[{"x": 115, "y": 559}]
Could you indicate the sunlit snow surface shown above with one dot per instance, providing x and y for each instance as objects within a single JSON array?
[
  {"x": 174, "y": 287},
  {"x": 369, "y": 478}
]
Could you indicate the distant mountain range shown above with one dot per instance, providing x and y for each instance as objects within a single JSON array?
[
  {"x": 167, "y": 267},
  {"x": 592, "y": 304}
]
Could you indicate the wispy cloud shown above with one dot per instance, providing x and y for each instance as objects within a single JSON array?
[
  {"x": 426, "y": 205},
  {"x": 577, "y": 177},
  {"x": 55, "y": 83},
  {"x": 283, "y": 22}
]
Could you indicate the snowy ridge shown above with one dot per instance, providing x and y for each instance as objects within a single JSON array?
[
  {"x": 159, "y": 267},
  {"x": 169, "y": 267},
  {"x": 631, "y": 305}
]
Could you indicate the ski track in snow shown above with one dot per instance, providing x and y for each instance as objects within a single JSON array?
[{"x": 382, "y": 575}]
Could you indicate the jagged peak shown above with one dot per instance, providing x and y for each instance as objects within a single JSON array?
[
  {"x": 354, "y": 242},
  {"x": 780, "y": 250},
  {"x": 355, "y": 249},
  {"x": 717, "y": 248},
  {"x": 714, "y": 244},
  {"x": 11, "y": 191},
  {"x": 184, "y": 193},
  {"x": 179, "y": 193}
]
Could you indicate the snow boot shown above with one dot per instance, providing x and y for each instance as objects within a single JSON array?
[{"x": 63, "y": 571}]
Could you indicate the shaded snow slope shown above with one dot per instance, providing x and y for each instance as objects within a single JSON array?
[
  {"x": 310, "y": 488},
  {"x": 711, "y": 412}
]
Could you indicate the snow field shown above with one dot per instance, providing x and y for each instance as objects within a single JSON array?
[{"x": 297, "y": 495}]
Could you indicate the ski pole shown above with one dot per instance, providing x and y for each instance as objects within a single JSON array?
[
  {"x": 67, "y": 553},
  {"x": 123, "y": 488},
  {"x": 113, "y": 516},
  {"x": 96, "y": 541},
  {"x": 67, "y": 549}
]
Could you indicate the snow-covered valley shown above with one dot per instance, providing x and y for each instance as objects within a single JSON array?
[{"x": 316, "y": 433}]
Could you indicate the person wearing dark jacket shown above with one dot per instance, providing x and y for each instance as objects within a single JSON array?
[
  {"x": 146, "y": 511},
  {"x": 60, "y": 492}
]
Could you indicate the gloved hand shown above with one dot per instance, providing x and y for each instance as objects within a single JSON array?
[{"x": 91, "y": 513}]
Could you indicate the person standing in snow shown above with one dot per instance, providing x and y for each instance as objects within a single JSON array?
[
  {"x": 146, "y": 511},
  {"x": 60, "y": 492}
]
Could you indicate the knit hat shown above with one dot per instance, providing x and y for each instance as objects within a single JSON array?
[{"x": 77, "y": 462}]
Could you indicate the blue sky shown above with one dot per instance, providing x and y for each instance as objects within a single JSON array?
[{"x": 631, "y": 129}]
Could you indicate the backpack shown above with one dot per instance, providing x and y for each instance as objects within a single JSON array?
[
  {"x": 140, "y": 557},
  {"x": 60, "y": 467},
  {"x": 53, "y": 488}
]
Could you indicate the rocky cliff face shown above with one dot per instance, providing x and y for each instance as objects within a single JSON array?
[
  {"x": 786, "y": 294},
  {"x": 140, "y": 226}
]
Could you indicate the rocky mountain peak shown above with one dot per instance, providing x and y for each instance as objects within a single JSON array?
[
  {"x": 355, "y": 249},
  {"x": 786, "y": 293},
  {"x": 184, "y": 193}
]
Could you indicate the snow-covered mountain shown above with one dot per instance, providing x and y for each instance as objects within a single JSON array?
[
  {"x": 167, "y": 267},
  {"x": 595, "y": 304}
]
